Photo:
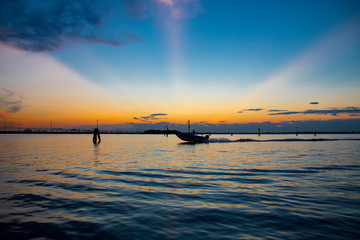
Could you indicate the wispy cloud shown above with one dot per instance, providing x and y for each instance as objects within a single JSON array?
[
  {"x": 168, "y": 2},
  {"x": 333, "y": 111},
  {"x": 314, "y": 103},
  {"x": 14, "y": 108},
  {"x": 251, "y": 110},
  {"x": 154, "y": 116},
  {"x": 10, "y": 102},
  {"x": 277, "y": 110},
  {"x": 182, "y": 8},
  {"x": 52, "y": 25}
]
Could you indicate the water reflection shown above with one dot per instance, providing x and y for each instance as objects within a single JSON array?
[{"x": 96, "y": 151}]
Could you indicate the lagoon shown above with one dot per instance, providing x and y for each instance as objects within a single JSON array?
[{"x": 62, "y": 186}]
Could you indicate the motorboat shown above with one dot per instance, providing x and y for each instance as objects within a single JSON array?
[{"x": 193, "y": 137}]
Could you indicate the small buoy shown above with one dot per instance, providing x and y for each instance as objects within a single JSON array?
[{"x": 96, "y": 137}]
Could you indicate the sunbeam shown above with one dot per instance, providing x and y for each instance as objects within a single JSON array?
[
  {"x": 328, "y": 48},
  {"x": 51, "y": 90}
]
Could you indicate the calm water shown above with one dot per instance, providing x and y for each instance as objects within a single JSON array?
[{"x": 152, "y": 187}]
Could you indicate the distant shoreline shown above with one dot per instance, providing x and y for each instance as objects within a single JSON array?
[{"x": 173, "y": 132}]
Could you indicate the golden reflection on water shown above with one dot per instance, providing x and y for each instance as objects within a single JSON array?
[{"x": 77, "y": 157}]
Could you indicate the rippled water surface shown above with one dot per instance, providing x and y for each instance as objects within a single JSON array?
[{"x": 152, "y": 187}]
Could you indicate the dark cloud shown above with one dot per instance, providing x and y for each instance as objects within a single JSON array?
[
  {"x": 202, "y": 123},
  {"x": 157, "y": 114},
  {"x": 137, "y": 8},
  {"x": 39, "y": 25},
  {"x": 333, "y": 111},
  {"x": 284, "y": 113},
  {"x": 251, "y": 110},
  {"x": 10, "y": 102},
  {"x": 154, "y": 116},
  {"x": 314, "y": 103},
  {"x": 14, "y": 108},
  {"x": 277, "y": 110}
]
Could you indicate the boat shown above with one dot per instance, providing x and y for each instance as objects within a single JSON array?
[{"x": 192, "y": 136}]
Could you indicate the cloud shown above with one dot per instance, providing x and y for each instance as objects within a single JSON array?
[
  {"x": 285, "y": 113},
  {"x": 42, "y": 26},
  {"x": 168, "y": 2},
  {"x": 277, "y": 110},
  {"x": 251, "y": 110},
  {"x": 314, "y": 103},
  {"x": 179, "y": 9},
  {"x": 39, "y": 26},
  {"x": 10, "y": 102},
  {"x": 14, "y": 108},
  {"x": 333, "y": 111},
  {"x": 158, "y": 114},
  {"x": 154, "y": 116}
]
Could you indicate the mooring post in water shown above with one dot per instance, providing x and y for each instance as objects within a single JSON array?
[
  {"x": 96, "y": 137},
  {"x": 297, "y": 131},
  {"x": 258, "y": 131}
]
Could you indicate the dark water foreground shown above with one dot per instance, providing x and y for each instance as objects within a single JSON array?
[{"x": 152, "y": 187}]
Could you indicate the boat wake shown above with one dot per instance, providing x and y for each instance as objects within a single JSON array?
[{"x": 225, "y": 140}]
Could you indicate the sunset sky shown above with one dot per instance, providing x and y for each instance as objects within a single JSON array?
[{"x": 148, "y": 64}]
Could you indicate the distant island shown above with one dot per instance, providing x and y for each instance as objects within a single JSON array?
[{"x": 153, "y": 131}]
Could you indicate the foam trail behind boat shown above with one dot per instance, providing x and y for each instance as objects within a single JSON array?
[{"x": 226, "y": 140}]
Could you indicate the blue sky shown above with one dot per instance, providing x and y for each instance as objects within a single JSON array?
[
  {"x": 220, "y": 40},
  {"x": 201, "y": 60}
]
